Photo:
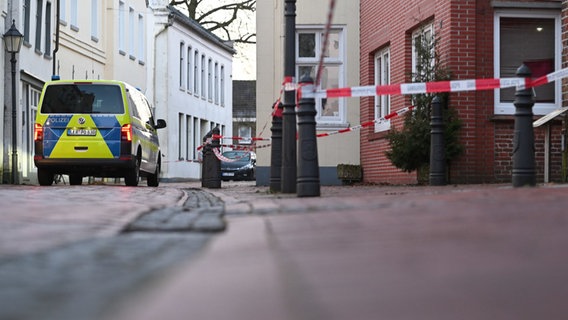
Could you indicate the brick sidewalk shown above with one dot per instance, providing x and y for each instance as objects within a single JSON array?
[{"x": 377, "y": 252}]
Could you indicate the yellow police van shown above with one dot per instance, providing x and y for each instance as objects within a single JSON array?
[{"x": 97, "y": 128}]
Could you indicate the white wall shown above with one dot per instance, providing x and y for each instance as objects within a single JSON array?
[
  {"x": 173, "y": 100},
  {"x": 333, "y": 150}
]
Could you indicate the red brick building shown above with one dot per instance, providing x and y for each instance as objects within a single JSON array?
[{"x": 476, "y": 39}]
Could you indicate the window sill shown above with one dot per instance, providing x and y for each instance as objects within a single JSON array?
[{"x": 330, "y": 126}]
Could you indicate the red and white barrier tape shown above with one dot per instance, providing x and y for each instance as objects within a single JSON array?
[
  {"x": 368, "y": 123},
  {"x": 220, "y": 156},
  {"x": 221, "y": 137},
  {"x": 307, "y": 91}
]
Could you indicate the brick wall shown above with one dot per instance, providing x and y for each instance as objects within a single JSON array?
[{"x": 465, "y": 31}]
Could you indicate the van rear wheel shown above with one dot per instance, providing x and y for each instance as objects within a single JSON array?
[
  {"x": 133, "y": 176},
  {"x": 44, "y": 177}
]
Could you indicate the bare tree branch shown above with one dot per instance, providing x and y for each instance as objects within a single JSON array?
[{"x": 221, "y": 19}]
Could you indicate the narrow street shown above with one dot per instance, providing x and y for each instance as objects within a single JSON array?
[{"x": 74, "y": 252}]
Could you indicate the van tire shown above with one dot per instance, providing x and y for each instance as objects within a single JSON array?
[
  {"x": 133, "y": 176},
  {"x": 44, "y": 177},
  {"x": 153, "y": 180},
  {"x": 75, "y": 180}
]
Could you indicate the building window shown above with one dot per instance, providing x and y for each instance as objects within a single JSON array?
[
  {"x": 95, "y": 20},
  {"x": 309, "y": 43},
  {"x": 422, "y": 39},
  {"x": 189, "y": 69},
  {"x": 121, "y": 27},
  {"x": 181, "y": 64},
  {"x": 181, "y": 120},
  {"x": 141, "y": 37},
  {"x": 196, "y": 138},
  {"x": 74, "y": 22},
  {"x": 210, "y": 80},
  {"x": 39, "y": 21},
  {"x": 382, "y": 77},
  {"x": 32, "y": 95},
  {"x": 188, "y": 138},
  {"x": 245, "y": 132},
  {"x": 203, "y": 83},
  {"x": 27, "y": 8},
  {"x": 532, "y": 39},
  {"x": 216, "y": 84},
  {"x": 196, "y": 72},
  {"x": 131, "y": 33},
  {"x": 222, "y": 86},
  {"x": 47, "y": 35},
  {"x": 63, "y": 12}
]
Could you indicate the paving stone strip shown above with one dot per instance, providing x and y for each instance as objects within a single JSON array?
[{"x": 201, "y": 212}]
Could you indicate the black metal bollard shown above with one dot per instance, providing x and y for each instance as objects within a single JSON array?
[
  {"x": 211, "y": 173},
  {"x": 205, "y": 158},
  {"x": 524, "y": 167},
  {"x": 308, "y": 184},
  {"x": 276, "y": 150},
  {"x": 437, "y": 145},
  {"x": 289, "y": 114}
]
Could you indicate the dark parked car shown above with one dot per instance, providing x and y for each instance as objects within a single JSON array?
[{"x": 240, "y": 165}]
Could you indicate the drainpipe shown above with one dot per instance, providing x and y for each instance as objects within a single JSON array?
[{"x": 56, "y": 49}]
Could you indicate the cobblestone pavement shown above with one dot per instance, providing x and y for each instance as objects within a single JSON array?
[
  {"x": 37, "y": 218},
  {"x": 357, "y": 252},
  {"x": 75, "y": 252},
  {"x": 376, "y": 252}
]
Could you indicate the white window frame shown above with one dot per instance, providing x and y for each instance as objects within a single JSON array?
[
  {"x": 39, "y": 25},
  {"x": 196, "y": 72},
  {"x": 501, "y": 108},
  {"x": 382, "y": 103},
  {"x": 74, "y": 15},
  {"x": 422, "y": 30},
  {"x": 203, "y": 77},
  {"x": 141, "y": 39},
  {"x": 245, "y": 131},
  {"x": 131, "y": 33},
  {"x": 210, "y": 80},
  {"x": 181, "y": 65},
  {"x": 216, "y": 84},
  {"x": 222, "y": 85},
  {"x": 325, "y": 122},
  {"x": 62, "y": 12},
  {"x": 189, "y": 74},
  {"x": 121, "y": 27},
  {"x": 95, "y": 20}
]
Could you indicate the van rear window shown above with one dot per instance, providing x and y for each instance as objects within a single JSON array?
[{"x": 82, "y": 98}]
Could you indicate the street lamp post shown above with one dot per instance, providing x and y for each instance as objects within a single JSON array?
[
  {"x": 13, "y": 42},
  {"x": 289, "y": 147}
]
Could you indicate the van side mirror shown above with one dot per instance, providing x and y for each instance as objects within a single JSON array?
[{"x": 161, "y": 124}]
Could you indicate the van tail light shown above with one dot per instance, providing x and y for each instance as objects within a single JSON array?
[
  {"x": 38, "y": 132},
  {"x": 126, "y": 133}
]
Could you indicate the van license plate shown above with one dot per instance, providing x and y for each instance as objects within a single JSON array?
[{"x": 82, "y": 132}]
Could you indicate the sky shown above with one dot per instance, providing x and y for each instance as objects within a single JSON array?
[{"x": 244, "y": 61}]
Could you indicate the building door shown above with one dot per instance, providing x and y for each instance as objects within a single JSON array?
[{"x": 31, "y": 101}]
